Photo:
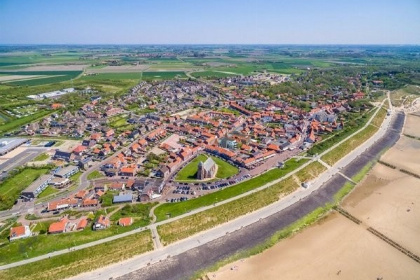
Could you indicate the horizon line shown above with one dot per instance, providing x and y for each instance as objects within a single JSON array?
[{"x": 209, "y": 44}]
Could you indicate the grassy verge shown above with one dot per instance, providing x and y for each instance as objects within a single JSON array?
[
  {"x": 41, "y": 157},
  {"x": 47, "y": 192},
  {"x": 73, "y": 263},
  {"x": 11, "y": 188},
  {"x": 380, "y": 116},
  {"x": 309, "y": 172},
  {"x": 176, "y": 209},
  {"x": 336, "y": 154},
  {"x": 94, "y": 175}
]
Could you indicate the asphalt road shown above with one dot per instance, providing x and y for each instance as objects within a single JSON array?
[{"x": 19, "y": 160}]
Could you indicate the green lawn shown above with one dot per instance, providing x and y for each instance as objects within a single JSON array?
[
  {"x": 48, "y": 191},
  {"x": 138, "y": 211},
  {"x": 176, "y": 209},
  {"x": 75, "y": 262},
  {"x": 94, "y": 175},
  {"x": 189, "y": 172},
  {"x": 225, "y": 169},
  {"x": 41, "y": 157},
  {"x": 11, "y": 188}
]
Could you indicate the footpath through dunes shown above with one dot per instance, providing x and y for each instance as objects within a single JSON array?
[{"x": 186, "y": 264}]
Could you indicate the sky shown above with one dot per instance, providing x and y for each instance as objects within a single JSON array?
[{"x": 209, "y": 22}]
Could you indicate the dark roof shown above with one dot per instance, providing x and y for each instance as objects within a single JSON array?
[{"x": 122, "y": 198}]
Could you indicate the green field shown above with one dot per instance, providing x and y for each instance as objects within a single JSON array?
[
  {"x": 163, "y": 75},
  {"x": 114, "y": 76},
  {"x": 11, "y": 188},
  {"x": 212, "y": 74},
  {"x": 53, "y": 77},
  {"x": 75, "y": 262},
  {"x": 189, "y": 172},
  {"x": 166, "y": 210}
]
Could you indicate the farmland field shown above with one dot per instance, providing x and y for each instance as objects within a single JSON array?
[
  {"x": 51, "y": 77},
  {"x": 163, "y": 75},
  {"x": 113, "y": 76}
]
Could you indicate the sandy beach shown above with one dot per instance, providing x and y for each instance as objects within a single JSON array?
[
  {"x": 336, "y": 248},
  {"x": 412, "y": 125}
]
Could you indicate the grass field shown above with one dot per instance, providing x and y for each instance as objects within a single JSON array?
[
  {"x": 94, "y": 175},
  {"x": 11, "y": 188},
  {"x": 176, "y": 209},
  {"x": 189, "y": 172},
  {"x": 75, "y": 262}
]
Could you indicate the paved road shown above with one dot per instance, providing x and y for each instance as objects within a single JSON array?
[
  {"x": 19, "y": 160},
  {"x": 301, "y": 193}
]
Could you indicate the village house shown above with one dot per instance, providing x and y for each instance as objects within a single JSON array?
[
  {"x": 19, "y": 232},
  {"x": 102, "y": 222}
]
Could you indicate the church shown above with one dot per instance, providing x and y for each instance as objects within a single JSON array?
[{"x": 206, "y": 169}]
